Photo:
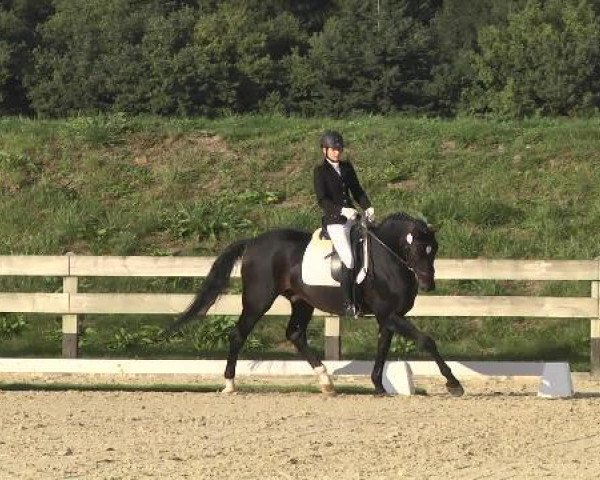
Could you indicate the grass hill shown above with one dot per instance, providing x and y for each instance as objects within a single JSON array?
[
  {"x": 113, "y": 185},
  {"x": 131, "y": 186}
]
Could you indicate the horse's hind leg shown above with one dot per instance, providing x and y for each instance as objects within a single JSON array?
[
  {"x": 407, "y": 329},
  {"x": 384, "y": 340},
  {"x": 252, "y": 312},
  {"x": 296, "y": 333}
]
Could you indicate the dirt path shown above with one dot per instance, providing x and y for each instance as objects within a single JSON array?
[{"x": 499, "y": 430}]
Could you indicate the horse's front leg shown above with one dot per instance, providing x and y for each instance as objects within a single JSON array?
[
  {"x": 384, "y": 340},
  {"x": 407, "y": 329}
]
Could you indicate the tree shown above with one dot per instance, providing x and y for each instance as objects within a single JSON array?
[
  {"x": 310, "y": 14},
  {"x": 364, "y": 60},
  {"x": 242, "y": 54},
  {"x": 544, "y": 61},
  {"x": 72, "y": 62},
  {"x": 131, "y": 56},
  {"x": 18, "y": 22},
  {"x": 455, "y": 28},
  {"x": 174, "y": 83}
]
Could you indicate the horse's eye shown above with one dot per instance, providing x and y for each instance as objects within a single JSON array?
[{"x": 428, "y": 249}]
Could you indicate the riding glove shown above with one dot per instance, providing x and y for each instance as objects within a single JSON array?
[
  {"x": 370, "y": 214},
  {"x": 349, "y": 213}
]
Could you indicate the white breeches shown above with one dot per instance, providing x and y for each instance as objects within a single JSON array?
[{"x": 340, "y": 236}]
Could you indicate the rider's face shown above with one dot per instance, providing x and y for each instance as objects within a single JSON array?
[{"x": 333, "y": 154}]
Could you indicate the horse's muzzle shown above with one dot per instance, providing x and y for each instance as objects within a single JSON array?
[{"x": 426, "y": 284}]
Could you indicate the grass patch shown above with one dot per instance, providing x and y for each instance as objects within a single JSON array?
[{"x": 119, "y": 185}]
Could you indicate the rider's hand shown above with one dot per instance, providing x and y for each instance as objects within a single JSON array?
[
  {"x": 370, "y": 214},
  {"x": 349, "y": 213}
]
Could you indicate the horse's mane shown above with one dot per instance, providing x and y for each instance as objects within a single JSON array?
[{"x": 402, "y": 217}]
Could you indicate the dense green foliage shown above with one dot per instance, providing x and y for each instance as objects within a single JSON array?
[
  {"x": 118, "y": 185},
  {"x": 545, "y": 61},
  {"x": 508, "y": 58}
]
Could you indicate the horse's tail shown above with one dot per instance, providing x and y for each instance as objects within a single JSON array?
[{"x": 214, "y": 284}]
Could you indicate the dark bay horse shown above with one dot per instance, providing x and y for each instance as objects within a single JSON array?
[{"x": 402, "y": 249}]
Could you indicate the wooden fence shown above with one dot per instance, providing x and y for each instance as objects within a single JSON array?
[{"x": 70, "y": 303}]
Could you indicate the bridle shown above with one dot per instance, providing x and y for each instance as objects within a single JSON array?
[{"x": 394, "y": 254}]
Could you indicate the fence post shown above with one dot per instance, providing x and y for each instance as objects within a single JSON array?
[
  {"x": 595, "y": 329},
  {"x": 70, "y": 323},
  {"x": 333, "y": 342}
]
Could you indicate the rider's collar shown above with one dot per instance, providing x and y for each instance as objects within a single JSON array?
[{"x": 335, "y": 165}]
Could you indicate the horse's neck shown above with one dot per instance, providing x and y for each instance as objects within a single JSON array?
[{"x": 390, "y": 235}]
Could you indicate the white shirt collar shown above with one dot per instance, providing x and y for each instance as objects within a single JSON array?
[{"x": 335, "y": 165}]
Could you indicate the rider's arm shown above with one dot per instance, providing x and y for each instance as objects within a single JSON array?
[
  {"x": 323, "y": 198},
  {"x": 357, "y": 191}
]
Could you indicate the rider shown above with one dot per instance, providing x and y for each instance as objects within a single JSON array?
[{"x": 334, "y": 181}]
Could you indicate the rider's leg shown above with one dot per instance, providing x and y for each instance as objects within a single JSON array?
[{"x": 340, "y": 237}]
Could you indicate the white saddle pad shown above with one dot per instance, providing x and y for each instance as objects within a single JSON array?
[{"x": 316, "y": 263}]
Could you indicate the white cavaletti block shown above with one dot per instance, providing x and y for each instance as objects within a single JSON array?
[
  {"x": 397, "y": 378},
  {"x": 555, "y": 381}
]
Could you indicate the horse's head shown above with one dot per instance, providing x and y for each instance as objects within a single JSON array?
[
  {"x": 415, "y": 241},
  {"x": 420, "y": 248}
]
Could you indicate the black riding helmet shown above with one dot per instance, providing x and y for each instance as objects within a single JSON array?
[{"x": 331, "y": 139}]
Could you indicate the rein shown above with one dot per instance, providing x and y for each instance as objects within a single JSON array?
[{"x": 394, "y": 254}]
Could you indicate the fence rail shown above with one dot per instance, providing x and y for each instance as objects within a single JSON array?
[
  {"x": 70, "y": 303},
  {"x": 446, "y": 269}
]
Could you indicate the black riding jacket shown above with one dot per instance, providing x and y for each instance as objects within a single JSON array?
[{"x": 333, "y": 191}]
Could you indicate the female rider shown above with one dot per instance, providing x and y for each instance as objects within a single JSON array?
[{"x": 335, "y": 180}]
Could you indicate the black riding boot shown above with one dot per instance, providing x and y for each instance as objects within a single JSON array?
[{"x": 347, "y": 284}]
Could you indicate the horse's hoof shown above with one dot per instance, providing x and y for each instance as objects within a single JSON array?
[
  {"x": 455, "y": 390},
  {"x": 380, "y": 393}
]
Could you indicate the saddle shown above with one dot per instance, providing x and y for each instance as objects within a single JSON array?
[{"x": 321, "y": 265}]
